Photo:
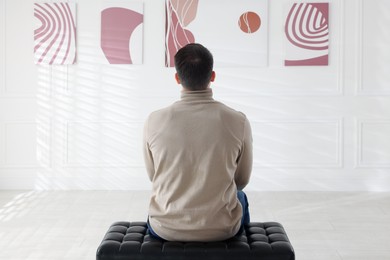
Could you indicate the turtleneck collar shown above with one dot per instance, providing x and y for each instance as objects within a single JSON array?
[{"x": 206, "y": 94}]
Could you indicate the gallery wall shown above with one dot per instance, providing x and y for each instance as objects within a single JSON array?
[{"x": 317, "y": 128}]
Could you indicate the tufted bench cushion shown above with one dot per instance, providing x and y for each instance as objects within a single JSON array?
[{"x": 259, "y": 241}]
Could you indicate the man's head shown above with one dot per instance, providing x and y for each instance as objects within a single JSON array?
[{"x": 194, "y": 67}]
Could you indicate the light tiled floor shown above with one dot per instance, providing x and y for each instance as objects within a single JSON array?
[{"x": 71, "y": 224}]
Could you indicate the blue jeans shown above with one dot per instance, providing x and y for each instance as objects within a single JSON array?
[
  {"x": 245, "y": 210},
  {"x": 244, "y": 221}
]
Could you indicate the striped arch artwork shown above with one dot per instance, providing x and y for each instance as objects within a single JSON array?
[
  {"x": 307, "y": 34},
  {"x": 55, "y": 33}
]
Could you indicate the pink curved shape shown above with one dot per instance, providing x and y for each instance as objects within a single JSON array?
[
  {"x": 51, "y": 28},
  {"x": 72, "y": 30},
  {"x": 185, "y": 10},
  {"x": 317, "y": 61},
  {"x": 118, "y": 24},
  {"x": 53, "y": 39},
  {"x": 299, "y": 18},
  {"x": 60, "y": 11},
  {"x": 311, "y": 36},
  {"x": 176, "y": 35},
  {"x": 44, "y": 24},
  {"x": 67, "y": 24}
]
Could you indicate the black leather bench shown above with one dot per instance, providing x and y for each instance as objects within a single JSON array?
[{"x": 259, "y": 241}]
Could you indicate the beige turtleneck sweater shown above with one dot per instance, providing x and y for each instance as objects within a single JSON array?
[{"x": 198, "y": 153}]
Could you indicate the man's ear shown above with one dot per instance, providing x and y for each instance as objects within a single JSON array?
[
  {"x": 177, "y": 78},
  {"x": 212, "y": 78}
]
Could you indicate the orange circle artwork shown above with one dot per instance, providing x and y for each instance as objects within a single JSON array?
[{"x": 249, "y": 22}]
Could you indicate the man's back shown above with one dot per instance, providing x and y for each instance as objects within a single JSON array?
[{"x": 198, "y": 152}]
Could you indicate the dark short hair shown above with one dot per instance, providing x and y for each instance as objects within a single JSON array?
[{"x": 194, "y": 66}]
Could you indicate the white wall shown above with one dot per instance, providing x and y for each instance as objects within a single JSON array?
[{"x": 80, "y": 126}]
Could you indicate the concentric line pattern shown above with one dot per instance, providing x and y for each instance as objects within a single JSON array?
[
  {"x": 55, "y": 38},
  {"x": 307, "y": 26}
]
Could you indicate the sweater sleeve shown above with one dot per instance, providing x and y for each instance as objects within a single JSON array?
[
  {"x": 148, "y": 157},
  {"x": 245, "y": 159}
]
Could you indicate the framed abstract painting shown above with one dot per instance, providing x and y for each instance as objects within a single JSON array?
[
  {"x": 237, "y": 38},
  {"x": 55, "y": 33},
  {"x": 121, "y": 38},
  {"x": 307, "y": 34}
]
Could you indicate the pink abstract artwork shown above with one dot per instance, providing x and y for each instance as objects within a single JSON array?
[
  {"x": 307, "y": 33},
  {"x": 179, "y": 15},
  {"x": 55, "y": 33},
  {"x": 119, "y": 42},
  {"x": 236, "y": 37}
]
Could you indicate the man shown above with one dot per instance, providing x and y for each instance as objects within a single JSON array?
[{"x": 198, "y": 155}]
